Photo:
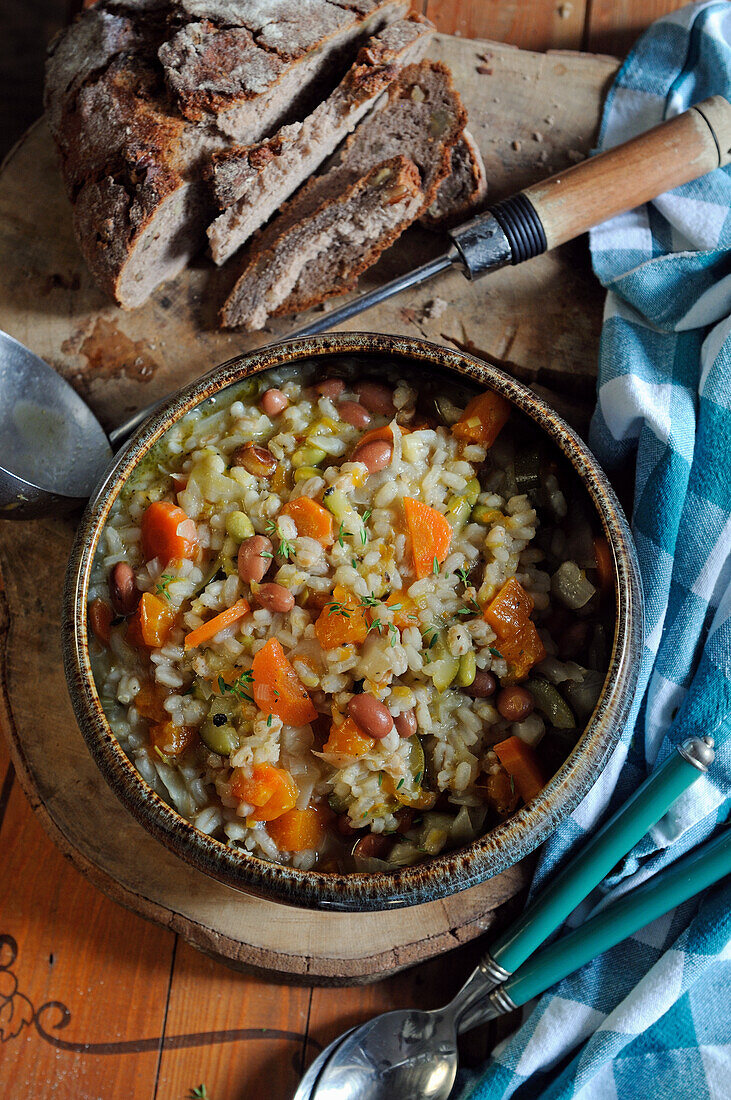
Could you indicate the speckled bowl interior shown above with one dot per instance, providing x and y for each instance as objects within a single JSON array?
[{"x": 503, "y": 845}]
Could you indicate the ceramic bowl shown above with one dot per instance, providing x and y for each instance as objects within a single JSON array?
[{"x": 502, "y": 846}]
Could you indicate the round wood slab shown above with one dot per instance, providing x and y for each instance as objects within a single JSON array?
[{"x": 122, "y": 361}]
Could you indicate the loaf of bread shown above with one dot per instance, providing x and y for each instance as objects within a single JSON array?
[
  {"x": 140, "y": 93},
  {"x": 175, "y": 119}
]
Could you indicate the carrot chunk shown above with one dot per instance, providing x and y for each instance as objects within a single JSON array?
[
  {"x": 167, "y": 533},
  {"x": 151, "y": 622},
  {"x": 204, "y": 633},
  {"x": 342, "y": 621},
  {"x": 483, "y": 419},
  {"x": 311, "y": 519},
  {"x": 519, "y": 761},
  {"x": 518, "y": 640},
  {"x": 604, "y": 563},
  {"x": 431, "y": 535},
  {"x": 373, "y": 434},
  {"x": 347, "y": 740},
  {"x": 277, "y": 687},
  {"x": 271, "y": 791},
  {"x": 300, "y": 830}
]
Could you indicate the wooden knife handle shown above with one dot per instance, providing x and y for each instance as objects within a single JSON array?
[
  {"x": 560, "y": 208},
  {"x": 673, "y": 153}
]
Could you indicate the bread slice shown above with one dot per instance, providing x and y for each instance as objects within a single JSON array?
[
  {"x": 251, "y": 182},
  {"x": 324, "y": 254},
  {"x": 422, "y": 120},
  {"x": 248, "y": 66},
  {"x": 464, "y": 189}
]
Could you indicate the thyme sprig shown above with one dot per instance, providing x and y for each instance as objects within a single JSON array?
[
  {"x": 237, "y": 687},
  {"x": 286, "y": 548},
  {"x": 161, "y": 588}
]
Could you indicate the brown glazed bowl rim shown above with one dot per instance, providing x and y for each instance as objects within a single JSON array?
[{"x": 443, "y": 875}]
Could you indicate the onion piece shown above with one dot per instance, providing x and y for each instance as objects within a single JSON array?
[{"x": 571, "y": 586}]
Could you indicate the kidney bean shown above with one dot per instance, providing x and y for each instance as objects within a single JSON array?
[
  {"x": 376, "y": 397},
  {"x": 375, "y": 455},
  {"x": 373, "y": 845},
  {"x": 406, "y": 723},
  {"x": 329, "y": 387},
  {"x": 274, "y": 597},
  {"x": 370, "y": 716},
  {"x": 515, "y": 703},
  {"x": 353, "y": 413},
  {"x": 122, "y": 588},
  {"x": 273, "y": 402},
  {"x": 100, "y": 620},
  {"x": 343, "y": 825},
  {"x": 257, "y": 460},
  {"x": 483, "y": 686},
  {"x": 252, "y": 566}
]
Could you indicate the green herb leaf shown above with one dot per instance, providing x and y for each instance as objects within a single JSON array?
[
  {"x": 495, "y": 652},
  {"x": 269, "y": 720},
  {"x": 400, "y": 784},
  {"x": 161, "y": 589},
  {"x": 435, "y": 566},
  {"x": 199, "y": 1093}
]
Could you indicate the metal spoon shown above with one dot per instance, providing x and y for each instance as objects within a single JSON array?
[
  {"x": 311, "y": 1077},
  {"x": 411, "y": 1054}
]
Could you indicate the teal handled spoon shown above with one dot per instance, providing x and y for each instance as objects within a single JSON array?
[
  {"x": 644, "y": 904},
  {"x": 413, "y": 1054},
  {"x": 620, "y": 919}
]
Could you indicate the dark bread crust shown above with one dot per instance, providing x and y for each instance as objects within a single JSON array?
[{"x": 263, "y": 52}]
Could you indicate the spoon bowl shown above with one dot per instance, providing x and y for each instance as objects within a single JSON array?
[
  {"x": 399, "y": 1055},
  {"x": 53, "y": 450}
]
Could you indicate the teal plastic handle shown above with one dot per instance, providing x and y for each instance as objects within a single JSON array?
[
  {"x": 615, "y": 838},
  {"x": 669, "y": 888}
]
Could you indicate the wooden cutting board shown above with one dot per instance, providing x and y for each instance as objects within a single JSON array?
[{"x": 532, "y": 114}]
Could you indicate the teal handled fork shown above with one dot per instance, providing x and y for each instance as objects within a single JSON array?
[{"x": 411, "y": 1053}]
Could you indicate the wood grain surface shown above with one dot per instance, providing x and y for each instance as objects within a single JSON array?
[{"x": 94, "y": 1001}]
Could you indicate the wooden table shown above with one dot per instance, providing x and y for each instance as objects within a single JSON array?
[{"x": 95, "y": 1002}]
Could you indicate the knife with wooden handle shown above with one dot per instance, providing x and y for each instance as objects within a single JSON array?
[{"x": 558, "y": 209}]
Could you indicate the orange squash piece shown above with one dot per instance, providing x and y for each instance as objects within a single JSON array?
[
  {"x": 168, "y": 533},
  {"x": 271, "y": 791},
  {"x": 519, "y": 760},
  {"x": 300, "y": 830},
  {"x": 172, "y": 740},
  {"x": 278, "y": 689},
  {"x": 219, "y": 622},
  {"x": 483, "y": 419},
  {"x": 517, "y": 638},
  {"x": 431, "y": 535},
  {"x": 311, "y": 519},
  {"x": 149, "y": 702},
  {"x": 342, "y": 621},
  {"x": 151, "y": 622},
  {"x": 406, "y": 609},
  {"x": 346, "y": 739}
]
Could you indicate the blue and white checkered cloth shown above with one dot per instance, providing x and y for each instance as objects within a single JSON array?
[{"x": 652, "y": 1017}]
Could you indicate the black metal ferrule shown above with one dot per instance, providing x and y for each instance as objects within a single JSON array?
[{"x": 522, "y": 226}]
